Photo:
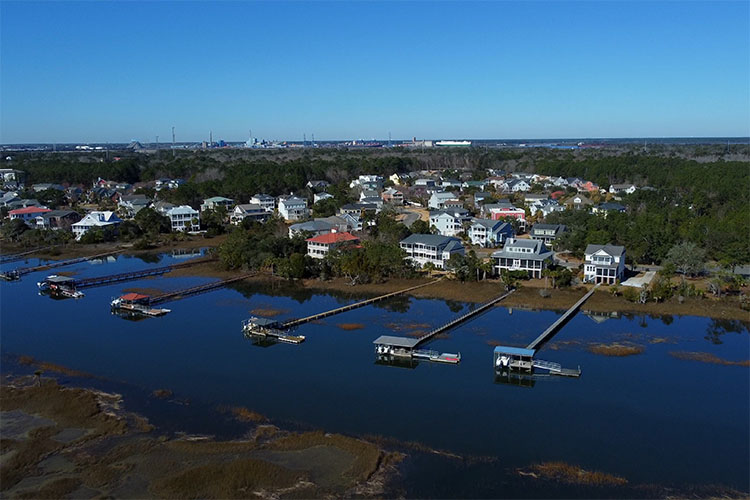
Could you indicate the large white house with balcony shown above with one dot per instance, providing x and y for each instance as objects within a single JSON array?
[
  {"x": 449, "y": 222},
  {"x": 293, "y": 208},
  {"x": 266, "y": 201},
  {"x": 184, "y": 218},
  {"x": 523, "y": 255},
  {"x": 604, "y": 264},
  {"x": 424, "y": 248},
  {"x": 95, "y": 219}
]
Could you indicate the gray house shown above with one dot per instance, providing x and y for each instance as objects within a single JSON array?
[
  {"x": 489, "y": 233},
  {"x": 523, "y": 255},
  {"x": 547, "y": 233}
]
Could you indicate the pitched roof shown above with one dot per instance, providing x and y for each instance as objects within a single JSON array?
[
  {"x": 434, "y": 240},
  {"x": 329, "y": 238},
  {"x": 134, "y": 296},
  {"x": 29, "y": 210},
  {"x": 613, "y": 250}
]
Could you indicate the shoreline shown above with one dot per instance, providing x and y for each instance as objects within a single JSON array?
[{"x": 526, "y": 296}]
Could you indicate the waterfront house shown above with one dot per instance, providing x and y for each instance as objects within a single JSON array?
[
  {"x": 215, "y": 202},
  {"x": 604, "y": 264},
  {"x": 438, "y": 199},
  {"x": 184, "y": 218},
  {"x": 247, "y": 211},
  {"x": 319, "y": 246},
  {"x": 28, "y": 214},
  {"x": 547, "y": 233},
  {"x": 132, "y": 204},
  {"x": 57, "y": 219},
  {"x": 489, "y": 233},
  {"x": 433, "y": 248},
  {"x": 293, "y": 208},
  {"x": 267, "y": 202},
  {"x": 95, "y": 219},
  {"x": 531, "y": 256},
  {"x": 449, "y": 222}
]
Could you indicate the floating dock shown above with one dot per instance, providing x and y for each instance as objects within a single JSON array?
[
  {"x": 16, "y": 274},
  {"x": 404, "y": 348},
  {"x": 270, "y": 329},
  {"x": 143, "y": 304},
  {"x": 521, "y": 360}
]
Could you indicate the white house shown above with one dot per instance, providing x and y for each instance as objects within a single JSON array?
[
  {"x": 247, "y": 211},
  {"x": 93, "y": 220},
  {"x": 424, "y": 248},
  {"x": 523, "y": 255},
  {"x": 622, "y": 188},
  {"x": 438, "y": 199},
  {"x": 184, "y": 218},
  {"x": 215, "y": 202},
  {"x": 267, "y": 202},
  {"x": 489, "y": 233},
  {"x": 319, "y": 246},
  {"x": 547, "y": 233},
  {"x": 449, "y": 222},
  {"x": 604, "y": 264},
  {"x": 132, "y": 204},
  {"x": 321, "y": 196},
  {"x": 517, "y": 186},
  {"x": 293, "y": 208}
]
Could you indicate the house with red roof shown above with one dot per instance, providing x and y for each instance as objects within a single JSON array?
[
  {"x": 28, "y": 214},
  {"x": 319, "y": 246}
]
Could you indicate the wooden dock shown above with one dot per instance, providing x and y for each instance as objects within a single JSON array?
[
  {"x": 77, "y": 284},
  {"x": 180, "y": 294},
  {"x": 296, "y": 322},
  {"x": 17, "y": 273},
  {"x": 7, "y": 259},
  {"x": 554, "y": 327},
  {"x": 461, "y": 319}
]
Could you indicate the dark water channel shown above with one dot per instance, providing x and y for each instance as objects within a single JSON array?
[{"x": 651, "y": 418}]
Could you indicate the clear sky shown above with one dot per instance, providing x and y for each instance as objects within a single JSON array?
[{"x": 116, "y": 71}]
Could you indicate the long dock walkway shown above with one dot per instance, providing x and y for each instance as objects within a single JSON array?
[
  {"x": 546, "y": 334},
  {"x": 17, "y": 273},
  {"x": 465, "y": 317},
  {"x": 339, "y": 310},
  {"x": 179, "y": 294},
  {"x": 133, "y": 275},
  {"x": 6, "y": 259}
]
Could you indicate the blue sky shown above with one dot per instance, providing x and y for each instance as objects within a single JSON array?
[{"x": 116, "y": 71}]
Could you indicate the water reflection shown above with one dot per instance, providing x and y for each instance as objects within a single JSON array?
[{"x": 719, "y": 327}]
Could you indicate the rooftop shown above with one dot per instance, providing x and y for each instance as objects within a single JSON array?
[
  {"x": 333, "y": 238},
  {"x": 406, "y": 342}
]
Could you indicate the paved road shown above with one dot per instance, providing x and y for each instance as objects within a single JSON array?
[{"x": 410, "y": 218}]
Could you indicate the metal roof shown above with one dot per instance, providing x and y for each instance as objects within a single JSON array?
[
  {"x": 59, "y": 279},
  {"x": 263, "y": 321},
  {"x": 396, "y": 341},
  {"x": 519, "y": 351}
]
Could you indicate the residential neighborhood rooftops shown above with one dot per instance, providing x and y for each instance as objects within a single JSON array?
[{"x": 29, "y": 210}]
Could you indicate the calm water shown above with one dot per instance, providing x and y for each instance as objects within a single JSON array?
[{"x": 650, "y": 417}]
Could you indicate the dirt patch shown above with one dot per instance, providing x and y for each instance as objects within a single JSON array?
[
  {"x": 616, "y": 349},
  {"x": 351, "y": 326},
  {"x": 705, "y": 357},
  {"x": 268, "y": 313},
  {"x": 572, "y": 474}
]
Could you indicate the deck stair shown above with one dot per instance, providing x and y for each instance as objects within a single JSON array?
[{"x": 296, "y": 322}]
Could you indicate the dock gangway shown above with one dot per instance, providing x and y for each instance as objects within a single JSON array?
[
  {"x": 465, "y": 317},
  {"x": 196, "y": 290},
  {"x": 17, "y": 273},
  {"x": 554, "y": 327},
  {"x": 132, "y": 275},
  {"x": 296, "y": 322}
]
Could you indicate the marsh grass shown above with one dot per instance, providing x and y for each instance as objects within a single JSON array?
[
  {"x": 45, "y": 366},
  {"x": 573, "y": 474},
  {"x": 616, "y": 349},
  {"x": 268, "y": 312},
  {"x": 705, "y": 357},
  {"x": 351, "y": 326}
]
